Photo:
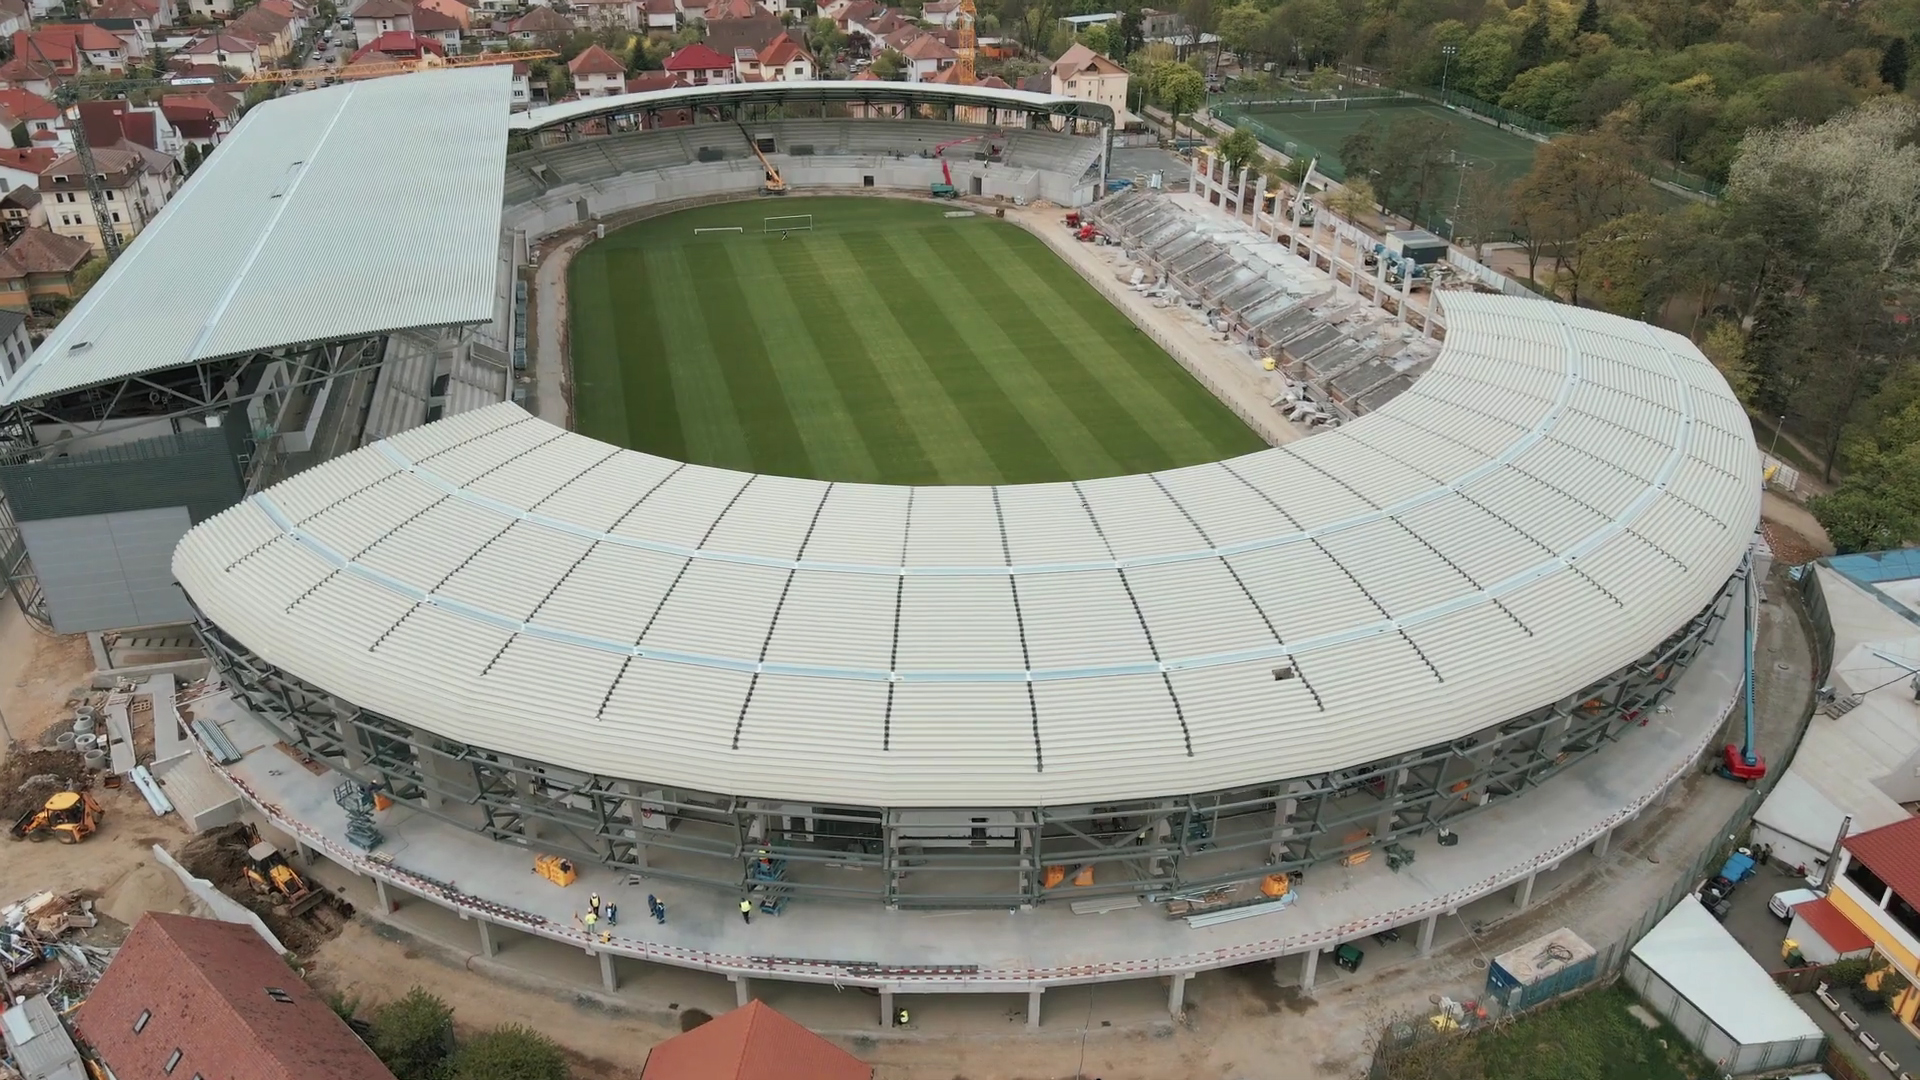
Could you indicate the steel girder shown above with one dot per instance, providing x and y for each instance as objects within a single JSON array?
[{"x": 958, "y": 857}]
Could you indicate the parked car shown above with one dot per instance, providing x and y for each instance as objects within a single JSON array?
[{"x": 1783, "y": 903}]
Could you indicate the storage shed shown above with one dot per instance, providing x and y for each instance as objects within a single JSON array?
[
  {"x": 1693, "y": 973},
  {"x": 38, "y": 1043}
]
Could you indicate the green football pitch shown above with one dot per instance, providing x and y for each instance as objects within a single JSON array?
[
  {"x": 887, "y": 344},
  {"x": 1321, "y": 132}
]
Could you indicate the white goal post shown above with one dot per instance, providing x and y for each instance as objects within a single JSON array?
[
  {"x": 788, "y": 223},
  {"x": 718, "y": 229}
]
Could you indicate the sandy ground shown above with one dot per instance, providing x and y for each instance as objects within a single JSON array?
[
  {"x": 39, "y": 672},
  {"x": 1806, "y": 537}
]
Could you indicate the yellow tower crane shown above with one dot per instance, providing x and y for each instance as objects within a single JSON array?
[{"x": 967, "y": 42}]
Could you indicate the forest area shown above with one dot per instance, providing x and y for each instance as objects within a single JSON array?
[{"x": 1798, "y": 280}]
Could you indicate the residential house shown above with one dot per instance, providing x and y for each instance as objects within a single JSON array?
[
  {"x": 189, "y": 997},
  {"x": 522, "y": 98},
  {"x": 272, "y": 31},
  {"x": 980, "y": 114},
  {"x": 108, "y": 122},
  {"x": 1082, "y": 73},
  {"x": 700, "y": 65},
  {"x": 868, "y": 27},
  {"x": 607, "y": 14},
  {"x": 396, "y": 45},
  {"x": 226, "y": 51},
  {"x": 375, "y": 17},
  {"x": 39, "y": 266},
  {"x": 836, "y": 10},
  {"x": 210, "y": 9},
  {"x": 138, "y": 182},
  {"x": 597, "y": 73},
  {"x": 646, "y": 82},
  {"x": 942, "y": 13},
  {"x": 41, "y": 117},
  {"x": 21, "y": 168},
  {"x": 874, "y": 110},
  {"x": 202, "y": 119},
  {"x": 780, "y": 60},
  {"x": 926, "y": 58},
  {"x": 72, "y": 49},
  {"x": 1162, "y": 25},
  {"x": 15, "y": 347},
  {"x": 728, "y": 36},
  {"x": 1877, "y": 888},
  {"x": 46, "y": 9},
  {"x": 662, "y": 16},
  {"x": 21, "y": 209},
  {"x": 753, "y": 1042},
  {"x": 539, "y": 22},
  {"x": 14, "y": 17},
  {"x": 441, "y": 27},
  {"x": 29, "y": 73},
  {"x": 298, "y": 14},
  {"x": 452, "y": 9}
]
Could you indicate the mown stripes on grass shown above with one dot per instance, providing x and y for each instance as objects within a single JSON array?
[{"x": 890, "y": 344}]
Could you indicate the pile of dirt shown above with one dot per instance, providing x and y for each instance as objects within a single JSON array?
[
  {"x": 220, "y": 856},
  {"x": 1789, "y": 547},
  {"x": 29, "y": 776},
  {"x": 147, "y": 887}
]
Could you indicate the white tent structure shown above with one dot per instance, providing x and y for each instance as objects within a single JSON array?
[{"x": 1718, "y": 997}]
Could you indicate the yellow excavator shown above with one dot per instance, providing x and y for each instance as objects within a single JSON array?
[
  {"x": 70, "y": 815},
  {"x": 270, "y": 874},
  {"x": 776, "y": 184}
]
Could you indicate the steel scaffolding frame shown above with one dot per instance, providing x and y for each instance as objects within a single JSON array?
[{"x": 1000, "y": 857}]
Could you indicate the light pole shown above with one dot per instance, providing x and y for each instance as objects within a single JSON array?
[
  {"x": 1459, "y": 189},
  {"x": 1782, "y": 422},
  {"x": 1446, "y": 66}
]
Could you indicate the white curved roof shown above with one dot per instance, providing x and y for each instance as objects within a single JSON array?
[
  {"x": 1555, "y": 496},
  {"x": 807, "y": 91}
]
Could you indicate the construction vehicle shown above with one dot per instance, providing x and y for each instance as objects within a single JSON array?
[
  {"x": 940, "y": 151},
  {"x": 70, "y": 815},
  {"x": 776, "y": 184},
  {"x": 555, "y": 869},
  {"x": 270, "y": 874},
  {"x": 945, "y": 191},
  {"x": 428, "y": 62},
  {"x": 1743, "y": 762}
]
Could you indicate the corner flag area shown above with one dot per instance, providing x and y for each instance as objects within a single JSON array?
[{"x": 873, "y": 340}]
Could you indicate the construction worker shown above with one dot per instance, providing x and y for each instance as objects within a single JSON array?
[
  {"x": 593, "y": 903},
  {"x": 900, "y": 1018},
  {"x": 660, "y": 914},
  {"x": 613, "y": 911},
  {"x": 653, "y": 905},
  {"x": 746, "y": 910},
  {"x": 592, "y": 918}
]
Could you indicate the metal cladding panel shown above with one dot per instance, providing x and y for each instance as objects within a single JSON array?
[
  {"x": 1527, "y": 519},
  {"x": 104, "y": 571},
  {"x": 234, "y": 263}
]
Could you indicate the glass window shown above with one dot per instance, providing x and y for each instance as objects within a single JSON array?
[
  {"x": 173, "y": 1062},
  {"x": 1868, "y": 881}
]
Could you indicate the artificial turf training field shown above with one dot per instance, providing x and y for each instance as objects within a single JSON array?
[
  {"x": 890, "y": 344},
  {"x": 1322, "y": 132}
]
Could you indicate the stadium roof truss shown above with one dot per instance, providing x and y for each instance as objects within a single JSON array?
[{"x": 734, "y": 96}]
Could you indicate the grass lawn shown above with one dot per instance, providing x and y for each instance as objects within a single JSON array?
[
  {"x": 1322, "y": 132},
  {"x": 1590, "y": 1036},
  {"x": 889, "y": 344}
]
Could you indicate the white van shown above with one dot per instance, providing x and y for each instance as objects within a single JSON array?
[{"x": 1783, "y": 903}]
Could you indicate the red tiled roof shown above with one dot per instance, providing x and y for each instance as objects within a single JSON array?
[
  {"x": 780, "y": 52},
  {"x": 652, "y": 80},
  {"x": 426, "y": 18},
  {"x": 542, "y": 20},
  {"x": 594, "y": 60},
  {"x": 1834, "y": 928},
  {"x": 1892, "y": 852},
  {"x": 219, "y": 43},
  {"x": 754, "y": 1042},
  {"x": 399, "y": 43},
  {"x": 718, "y": 10},
  {"x": 28, "y": 69},
  {"x": 85, "y": 36},
  {"x": 383, "y": 9},
  {"x": 42, "y": 251},
  {"x": 927, "y": 47},
  {"x": 209, "y": 988},
  {"x": 26, "y": 105},
  {"x": 697, "y": 57},
  {"x": 33, "y": 159}
]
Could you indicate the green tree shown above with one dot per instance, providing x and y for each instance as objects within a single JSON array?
[
  {"x": 1531, "y": 52},
  {"x": 1589, "y": 20},
  {"x": 1324, "y": 80},
  {"x": 1180, "y": 90},
  {"x": 1354, "y": 198},
  {"x": 21, "y": 138},
  {"x": 192, "y": 157},
  {"x": 889, "y": 64},
  {"x": 1576, "y": 185},
  {"x": 1242, "y": 28},
  {"x": 413, "y": 1034},
  {"x": 559, "y": 85},
  {"x": 509, "y": 1052},
  {"x": 1893, "y": 65},
  {"x": 1239, "y": 149}
]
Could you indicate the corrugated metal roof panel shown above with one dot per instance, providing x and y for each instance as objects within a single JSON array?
[
  {"x": 940, "y": 646},
  {"x": 246, "y": 256}
]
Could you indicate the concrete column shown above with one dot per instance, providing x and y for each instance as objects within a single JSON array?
[
  {"x": 609, "y": 979},
  {"x": 1033, "y": 1007},
  {"x": 742, "y": 992},
  {"x": 1601, "y": 845},
  {"x": 486, "y": 937},
  {"x": 1177, "y": 992},
  {"x": 1309, "y": 963},
  {"x": 886, "y": 1007},
  {"x": 1259, "y": 198},
  {"x": 1426, "y": 933},
  {"x": 387, "y": 906},
  {"x": 1523, "y": 894}
]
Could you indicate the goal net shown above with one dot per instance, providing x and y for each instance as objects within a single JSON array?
[
  {"x": 788, "y": 223},
  {"x": 706, "y": 229}
]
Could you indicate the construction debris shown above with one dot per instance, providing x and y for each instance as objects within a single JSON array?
[{"x": 36, "y": 955}]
